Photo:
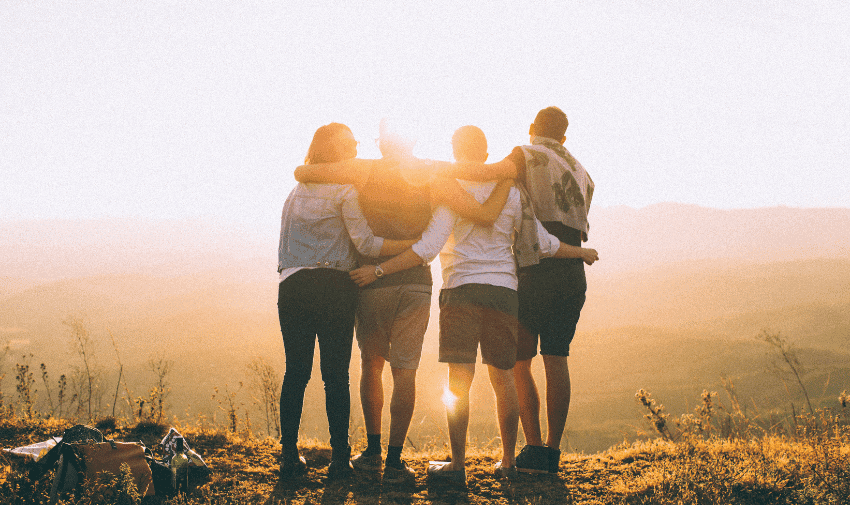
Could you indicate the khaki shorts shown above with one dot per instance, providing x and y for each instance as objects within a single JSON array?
[
  {"x": 391, "y": 323},
  {"x": 474, "y": 314}
]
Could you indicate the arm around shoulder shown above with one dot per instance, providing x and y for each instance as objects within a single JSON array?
[
  {"x": 352, "y": 171},
  {"x": 448, "y": 192},
  {"x": 475, "y": 171}
]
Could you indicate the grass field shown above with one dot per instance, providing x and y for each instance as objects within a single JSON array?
[{"x": 704, "y": 458}]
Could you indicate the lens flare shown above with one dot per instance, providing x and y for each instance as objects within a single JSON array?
[{"x": 449, "y": 399}]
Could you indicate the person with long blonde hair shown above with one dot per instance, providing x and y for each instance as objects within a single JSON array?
[{"x": 322, "y": 229}]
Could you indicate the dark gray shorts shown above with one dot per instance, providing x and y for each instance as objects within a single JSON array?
[
  {"x": 551, "y": 296},
  {"x": 474, "y": 314}
]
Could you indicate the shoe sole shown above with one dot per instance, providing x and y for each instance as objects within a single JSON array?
[{"x": 531, "y": 470}]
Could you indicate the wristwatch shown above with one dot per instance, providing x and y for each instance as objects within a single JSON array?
[{"x": 379, "y": 272}]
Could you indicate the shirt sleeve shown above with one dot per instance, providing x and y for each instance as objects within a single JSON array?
[
  {"x": 549, "y": 244},
  {"x": 436, "y": 234},
  {"x": 515, "y": 203},
  {"x": 358, "y": 228}
]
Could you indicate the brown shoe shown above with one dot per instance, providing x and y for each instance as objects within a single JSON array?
[
  {"x": 554, "y": 459},
  {"x": 367, "y": 462},
  {"x": 397, "y": 474}
]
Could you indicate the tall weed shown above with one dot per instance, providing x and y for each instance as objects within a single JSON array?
[
  {"x": 25, "y": 387},
  {"x": 86, "y": 379},
  {"x": 265, "y": 388}
]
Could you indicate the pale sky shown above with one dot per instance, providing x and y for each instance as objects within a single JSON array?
[{"x": 203, "y": 109}]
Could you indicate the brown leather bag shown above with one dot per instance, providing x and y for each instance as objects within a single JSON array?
[{"x": 108, "y": 457}]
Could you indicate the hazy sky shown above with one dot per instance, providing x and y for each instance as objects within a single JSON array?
[{"x": 203, "y": 109}]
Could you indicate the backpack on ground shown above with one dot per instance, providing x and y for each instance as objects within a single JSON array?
[{"x": 83, "y": 453}]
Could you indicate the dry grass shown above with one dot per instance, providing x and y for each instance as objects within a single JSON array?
[{"x": 810, "y": 467}]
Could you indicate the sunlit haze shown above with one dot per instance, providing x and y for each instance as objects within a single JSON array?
[{"x": 182, "y": 110}]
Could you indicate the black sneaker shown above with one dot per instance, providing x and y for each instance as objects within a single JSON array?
[
  {"x": 292, "y": 467},
  {"x": 554, "y": 460},
  {"x": 533, "y": 459},
  {"x": 340, "y": 469}
]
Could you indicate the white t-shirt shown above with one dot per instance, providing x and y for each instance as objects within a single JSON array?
[{"x": 475, "y": 254}]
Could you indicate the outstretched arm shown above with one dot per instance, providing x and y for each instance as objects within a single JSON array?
[
  {"x": 586, "y": 254},
  {"x": 365, "y": 275},
  {"x": 551, "y": 247},
  {"x": 352, "y": 171},
  {"x": 425, "y": 250},
  {"x": 392, "y": 247},
  {"x": 361, "y": 234},
  {"x": 449, "y": 192}
]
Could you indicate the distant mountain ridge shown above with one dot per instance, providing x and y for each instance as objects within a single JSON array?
[
  {"x": 56, "y": 249},
  {"x": 626, "y": 239},
  {"x": 630, "y": 238}
]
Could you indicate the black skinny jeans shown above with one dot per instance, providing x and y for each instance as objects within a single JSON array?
[{"x": 315, "y": 303}]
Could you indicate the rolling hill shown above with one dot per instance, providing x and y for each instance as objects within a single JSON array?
[{"x": 674, "y": 304}]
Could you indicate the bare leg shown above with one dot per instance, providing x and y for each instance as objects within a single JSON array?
[
  {"x": 401, "y": 405},
  {"x": 504, "y": 388},
  {"x": 457, "y": 415},
  {"x": 529, "y": 402},
  {"x": 372, "y": 393},
  {"x": 557, "y": 397}
]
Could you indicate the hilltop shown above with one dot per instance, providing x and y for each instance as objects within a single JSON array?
[{"x": 810, "y": 467}]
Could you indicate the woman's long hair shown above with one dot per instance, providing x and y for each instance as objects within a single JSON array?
[{"x": 322, "y": 148}]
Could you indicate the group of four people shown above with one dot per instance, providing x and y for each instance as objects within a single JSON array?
[{"x": 508, "y": 281}]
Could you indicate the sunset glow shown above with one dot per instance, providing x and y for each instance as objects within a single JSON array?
[
  {"x": 143, "y": 110},
  {"x": 147, "y": 150}
]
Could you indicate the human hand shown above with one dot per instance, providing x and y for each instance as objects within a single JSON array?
[
  {"x": 589, "y": 256},
  {"x": 364, "y": 275}
]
